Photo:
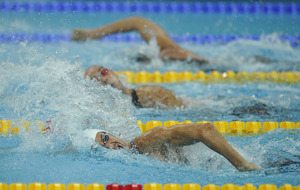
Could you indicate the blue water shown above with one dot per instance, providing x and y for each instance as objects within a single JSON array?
[
  {"x": 187, "y": 23},
  {"x": 276, "y": 152},
  {"x": 44, "y": 82}
]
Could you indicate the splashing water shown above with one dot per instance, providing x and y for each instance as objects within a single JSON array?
[
  {"x": 41, "y": 83},
  {"x": 56, "y": 91}
]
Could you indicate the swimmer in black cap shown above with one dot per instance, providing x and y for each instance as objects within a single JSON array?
[
  {"x": 158, "y": 141},
  {"x": 169, "y": 50},
  {"x": 143, "y": 96}
]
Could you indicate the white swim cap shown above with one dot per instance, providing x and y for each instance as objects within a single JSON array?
[{"x": 91, "y": 133}]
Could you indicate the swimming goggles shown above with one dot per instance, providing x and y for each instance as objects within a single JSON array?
[
  {"x": 104, "y": 137},
  {"x": 103, "y": 72}
]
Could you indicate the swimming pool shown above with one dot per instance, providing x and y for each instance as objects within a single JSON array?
[{"x": 42, "y": 81}]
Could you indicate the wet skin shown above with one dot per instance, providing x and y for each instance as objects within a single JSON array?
[
  {"x": 149, "y": 96},
  {"x": 154, "y": 142}
]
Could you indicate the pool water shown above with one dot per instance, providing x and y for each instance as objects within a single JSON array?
[{"x": 44, "y": 81}]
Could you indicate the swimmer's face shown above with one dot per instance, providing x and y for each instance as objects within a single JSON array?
[
  {"x": 104, "y": 76},
  {"x": 96, "y": 72},
  {"x": 108, "y": 141}
]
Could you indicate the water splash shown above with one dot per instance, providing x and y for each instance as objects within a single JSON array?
[{"x": 56, "y": 91}]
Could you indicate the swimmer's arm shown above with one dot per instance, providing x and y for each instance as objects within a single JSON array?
[
  {"x": 181, "y": 54},
  {"x": 177, "y": 135},
  {"x": 188, "y": 134}
]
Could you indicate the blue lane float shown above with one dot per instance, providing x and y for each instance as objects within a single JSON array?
[
  {"x": 289, "y": 8},
  {"x": 196, "y": 39}
]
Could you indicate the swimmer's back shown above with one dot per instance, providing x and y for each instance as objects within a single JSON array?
[{"x": 158, "y": 97}]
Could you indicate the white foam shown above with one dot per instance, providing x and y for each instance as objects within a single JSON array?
[{"x": 56, "y": 91}]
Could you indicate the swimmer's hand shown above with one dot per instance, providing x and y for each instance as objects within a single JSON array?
[
  {"x": 79, "y": 35},
  {"x": 179, "y": 53},
  {"x": 249, "y": 167}
]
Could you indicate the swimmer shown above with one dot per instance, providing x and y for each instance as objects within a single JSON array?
[
  {"x": 169, "y": 49},
  {"x": 158, "y": 141},
  {"x": 143, "y": 96}
]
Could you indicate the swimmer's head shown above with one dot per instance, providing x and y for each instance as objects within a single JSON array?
[
  {"x": 109, "y": 141},
  {"x": 104, "y": 76},
  {"x": 93, "y": 71}
]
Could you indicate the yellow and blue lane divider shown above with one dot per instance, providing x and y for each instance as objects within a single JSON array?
[
  {"x": 149, "y": 186},
  {"x": 233, "y": 127},
  {"x": 144, "y": 77},
  {"x": 7, "y": 127}
]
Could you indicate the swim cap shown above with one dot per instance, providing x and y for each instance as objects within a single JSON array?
[{"x": 91, "y": 133}]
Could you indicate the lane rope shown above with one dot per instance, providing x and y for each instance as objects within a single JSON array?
[
  {"x": 196, "y": 38},
  {"x": 144, "y": 77},
  {"x": 148, "y": 186},
  {"x": 277, "y": 8},
  {"x": 234, "y": 127}
]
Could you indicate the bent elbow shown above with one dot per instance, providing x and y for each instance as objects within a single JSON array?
[{"x": 205, "y": 129}]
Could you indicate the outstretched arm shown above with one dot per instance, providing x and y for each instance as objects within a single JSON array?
[
  {"x": 188, "y": 134},
  {"x": 147, "y": 30},
  {"x": 144, "y": 27}
]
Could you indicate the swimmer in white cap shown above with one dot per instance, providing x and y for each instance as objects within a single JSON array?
[
  {"x": 169, "y": 49},
  {"x": 158, "y": 141},
  {"x": 143, "y": 96}
]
